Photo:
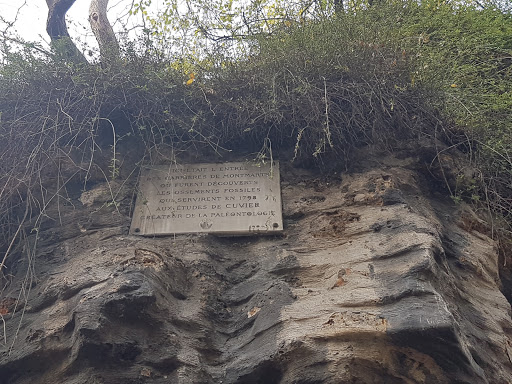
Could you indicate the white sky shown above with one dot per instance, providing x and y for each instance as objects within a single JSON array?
[{"x": 31, "y": 22}]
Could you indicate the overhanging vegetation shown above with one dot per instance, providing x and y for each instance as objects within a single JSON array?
[{"x": 386, "y": 75}]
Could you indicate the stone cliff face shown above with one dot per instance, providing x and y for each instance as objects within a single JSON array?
[{"x": 376, "y": 279}]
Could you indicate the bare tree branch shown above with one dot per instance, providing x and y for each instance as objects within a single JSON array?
[
  {"x": 10, "y": 24},
  {"x": 26, "y": 44}
]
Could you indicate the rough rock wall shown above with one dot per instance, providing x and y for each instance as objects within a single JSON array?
[{"x": 375, "y": 280}]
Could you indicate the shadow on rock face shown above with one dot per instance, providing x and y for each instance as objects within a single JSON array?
[{"x": 265, "y": 373}]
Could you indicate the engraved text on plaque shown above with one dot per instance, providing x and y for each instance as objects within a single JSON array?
[{"x": 229, "y": 198}]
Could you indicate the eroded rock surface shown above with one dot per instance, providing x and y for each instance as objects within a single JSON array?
[{"x": 375, "y": 280}]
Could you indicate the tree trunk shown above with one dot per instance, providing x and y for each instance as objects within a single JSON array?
[
  {"x": 58, "y": 31},
  {"x": 109, "y": 47},
  {"x": 338, "y": 6}
]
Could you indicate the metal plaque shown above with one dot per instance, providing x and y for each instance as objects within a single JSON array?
[{"x": 228, "y": 198}]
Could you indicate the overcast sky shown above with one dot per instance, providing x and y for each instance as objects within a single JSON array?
[{"x": 31, "y": 22}]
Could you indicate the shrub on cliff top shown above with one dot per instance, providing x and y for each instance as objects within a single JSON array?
[{"x": 381, "y": 75}]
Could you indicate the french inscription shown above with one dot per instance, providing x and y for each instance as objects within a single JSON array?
[{"x": 230, "y": 198}]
